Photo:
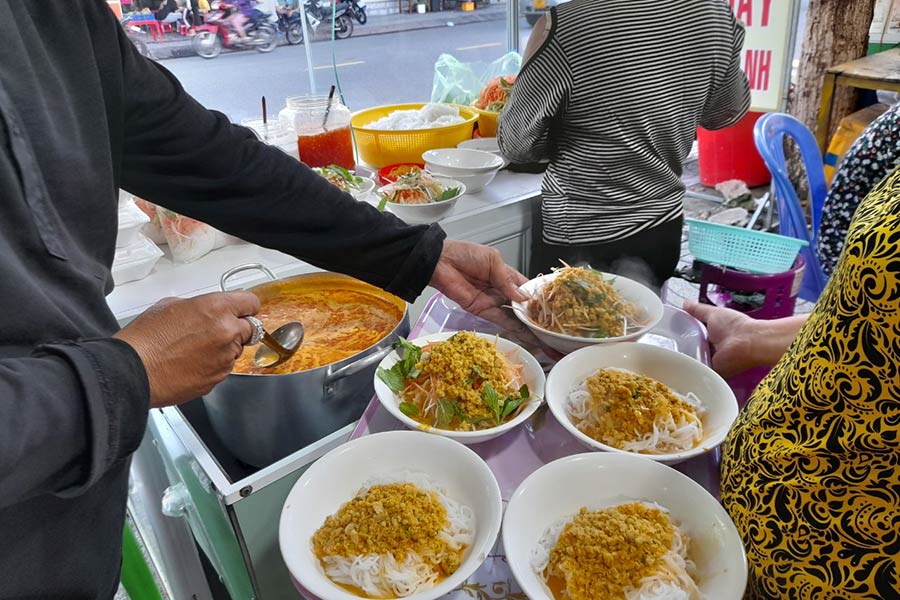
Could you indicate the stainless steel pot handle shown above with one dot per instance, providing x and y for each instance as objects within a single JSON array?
[
  {"x": 240, "y": 269},
  {"x": 355, "y": 367}
]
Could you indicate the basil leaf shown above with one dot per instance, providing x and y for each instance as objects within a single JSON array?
[
  {"x": 511, "y": 405},
  {"x": 411, "y": 356},
  {"x": 342, "y": 172},
  {"x": 447, "y": 194},
  {"x": 392, "y": 378},
  {"x": 410, "y": 410},
  {"x": 492, "y": 400},
  {"x": 446, "y": 410},
  {"x": 524, "y": 393}
]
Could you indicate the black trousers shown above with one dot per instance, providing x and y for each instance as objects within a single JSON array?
[{"x": 649, "y": 257}]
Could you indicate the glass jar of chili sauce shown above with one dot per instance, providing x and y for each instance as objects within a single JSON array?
[{"x": 323, "y": 135}]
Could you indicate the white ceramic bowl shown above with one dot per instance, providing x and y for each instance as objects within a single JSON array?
[
  {"x": 422, "y": 214},
  {"x": 475, "y": 184},
  {"x": 335, "y": 479},
  {"x": 560, "y": 489},
  {"x": 630, "y": 290},
  {"x": 461, "y": 161},
  {"x": 368, "y": 185},
  {"x": 475, "y": 168},
  {"x": 488, "y": 144},
  {"x": 533, "y": 375},
  {"x": 681, "y": 373}
]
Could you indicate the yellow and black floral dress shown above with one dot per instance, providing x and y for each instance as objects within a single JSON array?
[{"x": 811, "y": 470}]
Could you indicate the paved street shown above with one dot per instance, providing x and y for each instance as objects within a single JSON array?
[{"x": 373, "y": 70}]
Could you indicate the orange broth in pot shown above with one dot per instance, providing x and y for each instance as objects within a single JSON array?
[{"x": 341, "y": 317}]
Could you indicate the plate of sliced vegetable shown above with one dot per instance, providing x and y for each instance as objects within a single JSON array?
[
  {"x": 348, "y": 181},
  {"x": 468, "y": 386},
  {"x": 420, "y": 197}
]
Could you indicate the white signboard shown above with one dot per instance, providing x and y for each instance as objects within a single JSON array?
[
  {"x": 767, "y": 49},
  {"x": 885, "y": 23}
]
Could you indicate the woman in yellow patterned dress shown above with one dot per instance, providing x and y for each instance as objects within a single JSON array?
[{"x": 811, "y": 469}]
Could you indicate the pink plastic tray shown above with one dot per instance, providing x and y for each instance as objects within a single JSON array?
[{"x": 519, "y": 453}]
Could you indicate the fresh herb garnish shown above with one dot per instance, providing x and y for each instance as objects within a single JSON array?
[
  {"x": 404, "y": 368},
  {"x": 410, "y": 410},
  {"x": 391, "y": 378},
  {"x": 345, "y": 174},
  {"x": 446, "y": 410},
  {"x": 492, "y": 400},
  {"x": 513, "y": 403},
  {"x": 447, "y": 194},
  {"x": 502, "y": 408}
]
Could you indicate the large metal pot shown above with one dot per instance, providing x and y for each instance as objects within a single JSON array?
[{"x": 263, "y": 418}]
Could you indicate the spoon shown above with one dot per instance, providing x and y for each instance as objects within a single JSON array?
[{"x": 279, "y": 346}]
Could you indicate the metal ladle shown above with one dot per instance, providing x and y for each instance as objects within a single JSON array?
[{"x": 279, "y": 346}]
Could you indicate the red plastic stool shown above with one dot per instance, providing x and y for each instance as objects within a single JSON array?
[{"x": 757, "y": 296}]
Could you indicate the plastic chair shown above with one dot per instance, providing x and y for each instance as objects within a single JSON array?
[{"x": 769, "y": 134}]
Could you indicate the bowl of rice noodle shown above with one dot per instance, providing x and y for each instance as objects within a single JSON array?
[
  {"x": 400, "y": 514},
  {"x": 420, "y": 197},
  {"x": 575, "y": 307},
  {"x": 471, "y": 387},
  {"x": 663, "y": 536},
  {"x": 641, "y": 399}
]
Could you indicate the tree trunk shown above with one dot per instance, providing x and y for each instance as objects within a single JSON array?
[{"x": 837, "y": 31}]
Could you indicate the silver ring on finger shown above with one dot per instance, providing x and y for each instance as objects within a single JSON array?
[{"x": 258, "y": 331}]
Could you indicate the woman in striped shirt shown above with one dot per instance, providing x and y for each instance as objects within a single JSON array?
[{"x": 612, "y": 93}]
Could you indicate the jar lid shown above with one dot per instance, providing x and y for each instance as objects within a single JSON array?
[
  {"x": 272, "y": 132},
  {"x": 309, "y": 102}
]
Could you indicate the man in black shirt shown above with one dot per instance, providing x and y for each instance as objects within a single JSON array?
[{"x": 82, "y": 114}]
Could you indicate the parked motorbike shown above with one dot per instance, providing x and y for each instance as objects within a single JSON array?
[
  {"x": 316, "y": 14},
  {"x": 358, "y": 11},
  {"x": 292, "y": 27},
  {"x": 216, "y": 34}
]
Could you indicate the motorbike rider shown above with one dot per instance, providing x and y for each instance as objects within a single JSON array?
[
  {"x": 240, "y": 18},
  {"x": 287, "y": 8}
]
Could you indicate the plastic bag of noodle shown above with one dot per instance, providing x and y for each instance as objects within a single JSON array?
[
  {"x": 457, "y": 82},
  {"x": 188, "y": 238}
]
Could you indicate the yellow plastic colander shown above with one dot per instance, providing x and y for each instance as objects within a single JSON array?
[{"x": 378, "y": 148}]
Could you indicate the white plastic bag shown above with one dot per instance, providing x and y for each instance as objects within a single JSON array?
[
  {"x": 188, "y": 239},
  {"x": 153, "y": 229},
  {"x": 457, "y": 82}
]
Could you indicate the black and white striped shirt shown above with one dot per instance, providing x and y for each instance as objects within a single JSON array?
[{"x": 613, "y": 98}]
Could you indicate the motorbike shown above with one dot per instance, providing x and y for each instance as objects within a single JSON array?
[
  {"x": 136, "y": 35},
  {"x": 358, "y": 11},
  {"x": 216, "y": 34},
  {"x": 291, "y": 26},
  {"x": 316, "y": 14}
]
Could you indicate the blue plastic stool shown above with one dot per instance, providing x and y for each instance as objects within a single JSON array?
[{"x": 769, "y": 134}]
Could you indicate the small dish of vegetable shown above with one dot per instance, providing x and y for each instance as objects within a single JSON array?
[{"x": 347, "y": 181}]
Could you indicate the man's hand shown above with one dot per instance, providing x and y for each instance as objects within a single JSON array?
[
  {"x": 476, "y": 278},
  {"x": 731, "y": 336},
  {"x": 188, "y": 346}
]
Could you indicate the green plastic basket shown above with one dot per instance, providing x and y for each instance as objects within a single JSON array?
[{"x": 739, "y": 248}]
